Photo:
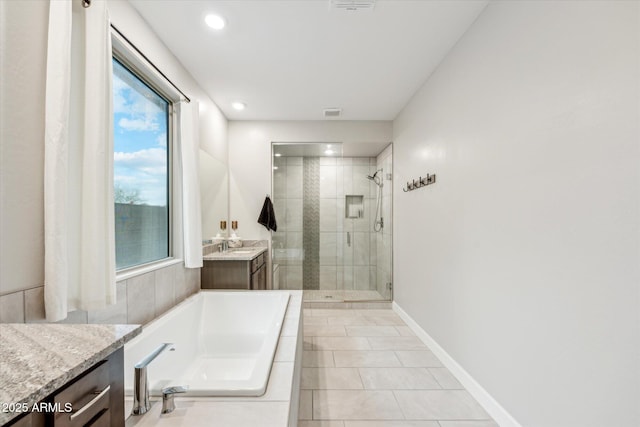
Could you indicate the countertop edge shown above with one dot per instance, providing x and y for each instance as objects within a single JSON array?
[{"x": 230, "y": 256}]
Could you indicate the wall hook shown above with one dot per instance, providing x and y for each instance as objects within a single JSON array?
[{"x": 420, "y": 182}]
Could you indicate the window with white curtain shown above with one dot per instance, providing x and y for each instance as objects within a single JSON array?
[{"x": 142, "y": 168}]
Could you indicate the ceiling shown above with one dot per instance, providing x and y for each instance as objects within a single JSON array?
[
  {"x": 319, "y": 149},
  {"x": 290, "y": 59}
]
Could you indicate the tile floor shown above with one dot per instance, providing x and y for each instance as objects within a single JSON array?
[{"x": 366, "y": 368}]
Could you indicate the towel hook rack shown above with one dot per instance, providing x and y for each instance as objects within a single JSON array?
[{"x": 420, "y": 182}]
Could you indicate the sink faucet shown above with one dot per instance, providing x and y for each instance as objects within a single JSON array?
[
  {"x": 223, "y": 246},
  {"x": 141, "y": 381}
]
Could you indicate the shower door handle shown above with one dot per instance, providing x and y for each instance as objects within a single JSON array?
[{"x": 348, "y": 238}]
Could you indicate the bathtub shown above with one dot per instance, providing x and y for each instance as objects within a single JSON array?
[{"x": 224, "y": 344}]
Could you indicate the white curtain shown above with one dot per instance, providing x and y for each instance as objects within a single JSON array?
[
  {"x": 79, "y": 209},
  {"x": 191, "y": 215}
]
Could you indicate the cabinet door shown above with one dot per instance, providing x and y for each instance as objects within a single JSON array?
[
  {"x": 259, "y": 278},
  {"x": 34, "y": 419},
  {"x": 225, "y": 274}
]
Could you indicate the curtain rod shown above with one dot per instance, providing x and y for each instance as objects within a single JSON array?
[{"x": 148, "y": 60}]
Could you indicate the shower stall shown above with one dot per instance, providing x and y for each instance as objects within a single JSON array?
[{"x": 334, "y": 220}]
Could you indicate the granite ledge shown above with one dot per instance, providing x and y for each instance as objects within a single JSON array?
[
  {"x": 239, "y": 254},
  {"x": 37, "y": 359}
]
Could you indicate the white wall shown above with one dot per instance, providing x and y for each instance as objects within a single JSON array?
[
  {"x": 528, "y": 268},
  {"x": 250, "y": 159},
  {"x": 23, "y": 41}
]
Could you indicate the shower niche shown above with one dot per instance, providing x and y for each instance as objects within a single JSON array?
[{"x": 354, "y": 206}]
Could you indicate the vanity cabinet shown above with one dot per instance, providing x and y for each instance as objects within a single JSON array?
[
  {"x": 96, "y": 396},
  {"x": 259, "y": 273},
  {"x": 35, "y": 419},
  {"x": 235, "y": 274}
]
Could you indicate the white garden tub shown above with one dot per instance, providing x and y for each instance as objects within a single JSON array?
[{"x": 224, "y": 344}]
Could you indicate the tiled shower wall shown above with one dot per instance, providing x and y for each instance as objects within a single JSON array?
[
  {"x": 140, "y": 299},
  {"x": 311, "y": 222},
  {"x": 347, "y": 248}
]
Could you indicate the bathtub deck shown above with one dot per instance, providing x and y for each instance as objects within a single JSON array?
[{"x": 273, "y": 409}]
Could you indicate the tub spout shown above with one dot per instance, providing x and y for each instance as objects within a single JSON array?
[
  {"x": 141, "y": 381},
  {"x": 168, "y": 405}
]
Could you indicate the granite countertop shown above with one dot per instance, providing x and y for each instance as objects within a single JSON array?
[
  {"x": 37, "y": 359},
  {"x": 246, "y": 253}
]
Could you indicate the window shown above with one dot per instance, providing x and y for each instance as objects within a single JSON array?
[{"x": 142, "y": 165}]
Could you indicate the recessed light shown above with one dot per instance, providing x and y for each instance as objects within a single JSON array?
[
  {"x": 275, "y": 168},
  {"x": 239, "y": 105},
  {"x": 278, "y": 155},
  {"x": 216, "y": 22}
]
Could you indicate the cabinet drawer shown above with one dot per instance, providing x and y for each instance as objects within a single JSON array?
[
  {"x": 89, "y": 396},
  {"x": 257, "y": 262},
  {"x": 104, "y": 420}
]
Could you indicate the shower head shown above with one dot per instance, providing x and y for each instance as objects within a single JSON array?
[{"x": 375, "y": 178}]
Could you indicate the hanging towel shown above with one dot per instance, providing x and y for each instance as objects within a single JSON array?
[{"x": 267, "y": 215}]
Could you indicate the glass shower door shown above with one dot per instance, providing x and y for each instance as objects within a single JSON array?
[{"x": 331, "y": 239}]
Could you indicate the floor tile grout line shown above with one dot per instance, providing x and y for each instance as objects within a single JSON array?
[
  {"x": 398, "y": 404},
  {"x": 429, "y": 369},
  {"x": 312, "y": 393},
  {"x": 361, "y": 381}
]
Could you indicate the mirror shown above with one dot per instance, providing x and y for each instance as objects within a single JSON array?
[{"x": 214, "y": 194}]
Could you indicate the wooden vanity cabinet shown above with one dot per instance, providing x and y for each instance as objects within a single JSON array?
[
  {"x": 259, "y": 273},
  {"x": 235, "y": 274},
  {"x": 96, "y": 395},
  {"x": 35, "y": 419}
]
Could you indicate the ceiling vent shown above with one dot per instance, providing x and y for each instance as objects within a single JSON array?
[
  {"x": 353, "y": 5},
  {"x": 332, "y": 113}
]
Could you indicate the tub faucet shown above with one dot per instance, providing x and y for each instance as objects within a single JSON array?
[
  {"x": 167, "y": 397},
  {"x": 141, "y": 381}
]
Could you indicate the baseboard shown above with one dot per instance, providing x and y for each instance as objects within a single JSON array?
[{"x": 497, "y": 412}]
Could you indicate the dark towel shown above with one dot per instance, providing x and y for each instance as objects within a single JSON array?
[{"x": 267, "y": 216}]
